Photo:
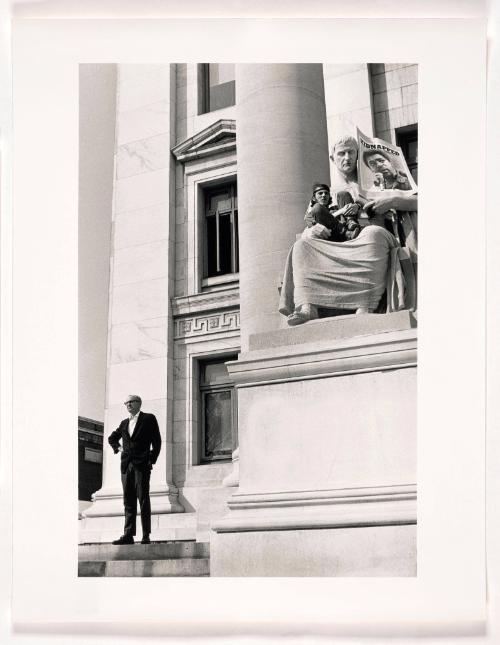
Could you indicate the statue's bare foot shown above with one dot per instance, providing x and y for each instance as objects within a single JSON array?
[
  {"x": 303, "y": 314},
  {"x": 297, "y": 318}
]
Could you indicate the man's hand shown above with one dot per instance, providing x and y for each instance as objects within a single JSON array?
[
  {"x": 317, "y": 231},
  {"x": 398, "y": 202},
  {"x": 349, "y": 210},
  {"x": 380, "y": 206}
]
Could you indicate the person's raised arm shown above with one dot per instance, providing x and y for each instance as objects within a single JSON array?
[{"x": 397, "y": 202}]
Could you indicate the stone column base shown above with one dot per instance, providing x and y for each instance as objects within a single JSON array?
[
  {"x": 103, "y": 521},
  {"x": 357, "y": 532},
  {"x": 233, "y": 479}
]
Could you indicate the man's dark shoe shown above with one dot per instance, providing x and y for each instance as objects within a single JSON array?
[
  {"x": 145, "y": 539},
  {"x": 124, "y": 539}
]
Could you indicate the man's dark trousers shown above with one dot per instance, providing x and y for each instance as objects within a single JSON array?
[{"x": 136, "y": 487}]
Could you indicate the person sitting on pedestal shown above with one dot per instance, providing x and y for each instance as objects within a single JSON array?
[{"x": 339, "y": 219}]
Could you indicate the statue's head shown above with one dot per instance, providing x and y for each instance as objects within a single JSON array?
[
  {"x": 321, "y": 194},
  {"x": 378, "y": 161},
  {"x": 344, "y": 154}
]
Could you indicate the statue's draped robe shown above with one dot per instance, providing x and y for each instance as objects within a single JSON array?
[
  {"x": 344, "y": 275},
  {"x": 350, "y": 274}
]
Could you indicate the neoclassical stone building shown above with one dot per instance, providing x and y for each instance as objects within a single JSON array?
[{"x": 291, "y": 450}]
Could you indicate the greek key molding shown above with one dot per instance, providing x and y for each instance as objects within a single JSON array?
[{"x": 207, "y": 324}]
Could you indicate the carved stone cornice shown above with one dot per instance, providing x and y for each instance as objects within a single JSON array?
[
  {"x": 206, "y": 302},
  {"x": 324, "y": 359},
  {"x": 217, "y": 137}
]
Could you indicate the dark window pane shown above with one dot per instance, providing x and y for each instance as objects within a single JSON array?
[
  {"x": 221, "y": 86},
  {"x": 218, "y": 427},
  {"x": 408, "y": 142},
  {"x": 236, "y": 244},
  {"x": 412, "y": 152},
  {"x": 225, "y": 243},
  {"x": 211, "y": 246}
]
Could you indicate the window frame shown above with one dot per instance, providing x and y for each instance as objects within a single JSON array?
[
  {"x": 404, "y": 136},
  {"x": 204, "y": 91},
  {"x": 203, "y": 391},
  {"x": 230, "y": 276},
  {"x": 198, "y": 179}
]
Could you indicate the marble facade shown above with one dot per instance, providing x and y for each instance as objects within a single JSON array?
[{"x": 325, "y": 464}]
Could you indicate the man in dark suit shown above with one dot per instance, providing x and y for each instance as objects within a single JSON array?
[{"x": 140, "y": 446}]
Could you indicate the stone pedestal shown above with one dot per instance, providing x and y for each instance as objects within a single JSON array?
[{"x": 327, "y": 452}]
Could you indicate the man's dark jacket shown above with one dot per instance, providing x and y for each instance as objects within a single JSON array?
[{"x": 143, "y": 447}]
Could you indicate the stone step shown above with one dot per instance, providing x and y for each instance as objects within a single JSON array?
[
  {"x": 138, "y": 551},
  {"x": 145, "y": 568}
]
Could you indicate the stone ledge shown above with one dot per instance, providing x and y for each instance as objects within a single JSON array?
[
  {"x": 377, "y": 506},
  {"x": 334, "y": 329},
  {"x": 137, "y": 551},
  {"x": 375, "y": 352},
  {"x": 184, "y": 567},
  {"x": 315, "y": 497},
  {"x": 206, "y": 301}
]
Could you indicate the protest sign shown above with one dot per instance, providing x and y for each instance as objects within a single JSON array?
[{"x": 382, "y": 167}]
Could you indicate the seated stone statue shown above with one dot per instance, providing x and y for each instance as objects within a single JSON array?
[{"x": 346, "y": 274}]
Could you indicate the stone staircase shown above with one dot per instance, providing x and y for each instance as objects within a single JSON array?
[{"x": 159, "y": 559}]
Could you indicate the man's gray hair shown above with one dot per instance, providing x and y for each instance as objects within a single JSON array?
[
  {"x": 344, "y": 140},
  {"x": 134, "y": 397}
]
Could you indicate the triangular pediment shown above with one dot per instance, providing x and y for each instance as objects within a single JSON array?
[{"x": 217, "y": 137}]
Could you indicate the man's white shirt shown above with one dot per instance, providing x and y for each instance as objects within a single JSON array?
[{"x": 132, "y": 423}]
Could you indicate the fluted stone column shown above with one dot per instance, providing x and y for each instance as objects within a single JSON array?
[{"x": 282, "y": 147}]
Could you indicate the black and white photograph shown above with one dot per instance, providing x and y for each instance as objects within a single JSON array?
[
  {"x": 248, "y": 320},
  {"x": 248, "y": 314}
]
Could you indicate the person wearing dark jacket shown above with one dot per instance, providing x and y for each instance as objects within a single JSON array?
[{"x": 140, "y": 446}]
